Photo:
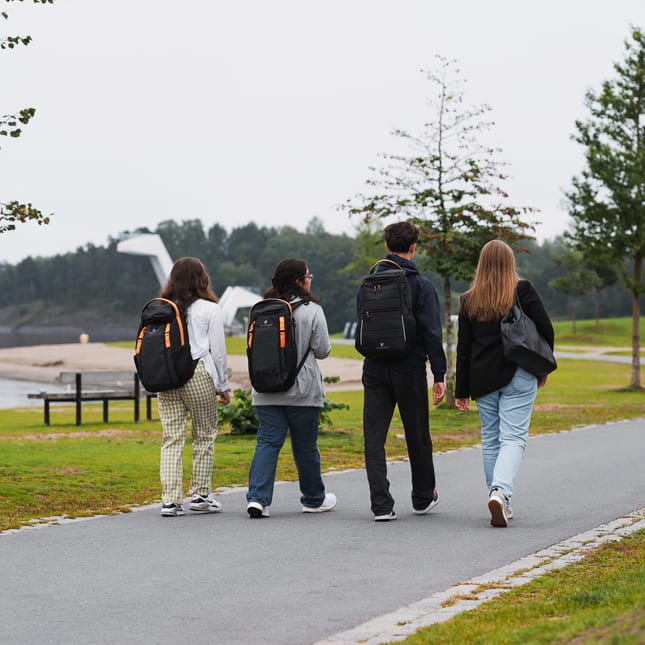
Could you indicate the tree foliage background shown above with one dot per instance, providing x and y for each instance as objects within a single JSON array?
[
  {"x": 607, "y": 201},
  {"x": 116, "y": 286}
]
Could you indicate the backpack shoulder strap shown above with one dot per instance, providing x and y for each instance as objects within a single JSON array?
[{"x": 398, "y": 266}]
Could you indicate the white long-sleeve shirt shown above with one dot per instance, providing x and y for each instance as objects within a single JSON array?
[{"x": 206, "y": 335}]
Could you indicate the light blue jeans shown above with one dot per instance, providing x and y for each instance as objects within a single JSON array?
[{"x": 505, "y": 416}]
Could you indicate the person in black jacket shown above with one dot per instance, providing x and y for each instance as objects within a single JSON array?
[
  {"x": 403, "y": 381},
  {"x": 504, "y": 392}
]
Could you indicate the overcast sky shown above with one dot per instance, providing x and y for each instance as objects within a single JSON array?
[{"x": 273, "y": 111}]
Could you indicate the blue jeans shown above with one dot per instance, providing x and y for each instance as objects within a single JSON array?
[
  {"x": 505, "y": 416},
  {"x": 302, "y": 423}
]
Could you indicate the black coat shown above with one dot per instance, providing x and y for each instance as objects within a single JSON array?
[{"x": 481, "y": 366}]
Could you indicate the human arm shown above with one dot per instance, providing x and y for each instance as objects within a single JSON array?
[
  {"x": 464, "y": 348},
  {"x": 217, "y": 349},
  {"x": 427, "y": 313},
  {"x": 532, "y": 306},
  {"x": 320, "y": 343}
]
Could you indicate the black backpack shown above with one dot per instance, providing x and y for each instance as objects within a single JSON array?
[
  {"x": 162, "y": 354},
  {"x": 271, "y": 345},
  {"x": 386, "y": 324}
]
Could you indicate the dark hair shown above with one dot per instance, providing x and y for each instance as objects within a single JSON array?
[
  {"x": 188, "y": 281},
  {"x": 400, "y": 236},
  {"x": 284, "y": 281}
]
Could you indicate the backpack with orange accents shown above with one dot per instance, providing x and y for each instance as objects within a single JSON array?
[
  {"x": 271, "y": 345},
  {"x": 162, "y": 353}
]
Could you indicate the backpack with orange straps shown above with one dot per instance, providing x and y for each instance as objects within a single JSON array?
[
  {"x": 271, "y": 345},
  {"x": 162, "y": 353}
]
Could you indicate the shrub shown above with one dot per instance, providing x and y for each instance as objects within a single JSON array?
[{"x": 240, "y": 414}]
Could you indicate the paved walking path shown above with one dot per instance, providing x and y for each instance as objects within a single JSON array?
[{"x": 301, "y": 578}]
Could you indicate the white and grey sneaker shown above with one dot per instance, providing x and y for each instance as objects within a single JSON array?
[
  {"x": 386, "y": 517},
  {"x": 327, "y": 504},
  {"x": 498, "y": 508},
  {"x": 206, "y": 504},
  {"x": 170, "y": 510},
  {"x": 255, "y": 509}
]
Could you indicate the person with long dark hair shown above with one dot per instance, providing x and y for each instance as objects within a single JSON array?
[
  {"x": 298, "y": 409},
  {"x": 189, "y": 287},
  {"x": 504, "y": 392}
]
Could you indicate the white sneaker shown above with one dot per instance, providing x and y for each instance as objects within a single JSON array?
[
  {"x": 206, "y": 504},
  {"x": 386, "y": 517},
  {"x": 255, "y": 509},
  {"x": 328, "y": 503},
  {"x": 170, "y": 510},
  {"x": 498, "y": 508}
]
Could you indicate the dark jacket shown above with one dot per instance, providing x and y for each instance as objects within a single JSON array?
[
  {"x": 428, "y": 342},
  {"x": 481, "y": 366}
]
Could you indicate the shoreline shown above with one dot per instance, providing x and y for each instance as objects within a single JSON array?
[{"x": 43, "y": 364}]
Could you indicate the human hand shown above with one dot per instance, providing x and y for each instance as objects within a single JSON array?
[
  {"x": 224, "y": 397},
  {"x": 462, "y": 404},
  {"x": 438, "y": 391},
  {"x": 542, "y": 380}
]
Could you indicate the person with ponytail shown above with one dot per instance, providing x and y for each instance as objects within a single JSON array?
[
  {"x": 298, "y": 409},
  {"x": 504, "y": 392}
]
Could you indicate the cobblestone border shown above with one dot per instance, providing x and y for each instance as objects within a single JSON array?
[{"x": 443, "y": 605}]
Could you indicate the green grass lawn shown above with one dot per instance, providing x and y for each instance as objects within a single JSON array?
[{"x": 612, "y": 332}]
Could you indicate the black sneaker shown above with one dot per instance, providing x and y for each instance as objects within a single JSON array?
[
  {"x": 430, "y": 506},
  {"x": 170, "y": 510}
]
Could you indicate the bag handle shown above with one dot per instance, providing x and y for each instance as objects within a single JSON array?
[{"x": 398, "y": 266}]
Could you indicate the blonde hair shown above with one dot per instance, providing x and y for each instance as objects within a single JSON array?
[{"x": 493, "y": 288}]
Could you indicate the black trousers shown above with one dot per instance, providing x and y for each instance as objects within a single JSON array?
[{"x": 385, "y": 387}]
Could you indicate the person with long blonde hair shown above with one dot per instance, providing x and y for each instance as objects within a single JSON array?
[
  {"x": 189, "y": 287},
  {"x": 504, "y": 392}
]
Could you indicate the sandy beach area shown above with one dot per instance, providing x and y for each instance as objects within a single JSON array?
[{"x": 43, "y": 363}]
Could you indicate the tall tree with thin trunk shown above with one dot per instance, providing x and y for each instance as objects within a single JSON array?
[
  {"x": 450, "y": 185},
  {"x": 607, "y": 201}
]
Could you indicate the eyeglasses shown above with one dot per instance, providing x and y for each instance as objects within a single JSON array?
[{"x": 309, "y": 275}]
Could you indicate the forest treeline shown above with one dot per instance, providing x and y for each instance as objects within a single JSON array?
[{"x": 117, "y": 284}]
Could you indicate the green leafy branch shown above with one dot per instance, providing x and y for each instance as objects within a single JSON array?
[{"x": 14, "y": 212}]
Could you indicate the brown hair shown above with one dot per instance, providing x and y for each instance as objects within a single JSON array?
[
  {"x": 493, "y": 288},
  {"x": 188, "y": 281},
  {"x": 285, "y": 281}
]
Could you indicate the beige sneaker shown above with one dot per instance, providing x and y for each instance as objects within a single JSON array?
[{"x": 498, "y": 508}]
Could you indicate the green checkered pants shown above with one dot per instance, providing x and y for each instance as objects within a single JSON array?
[{"x": 199, "y": 399}]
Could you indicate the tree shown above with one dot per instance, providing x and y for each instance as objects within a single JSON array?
[
  {"x": 578, "y": 279},
  {"x": 450, "y": 186},
  {"x": 607, "y": 201},
  {"x": 14, "y": 212},
  {"x": 368, "y": 248}
]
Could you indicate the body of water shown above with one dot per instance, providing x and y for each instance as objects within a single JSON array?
[{"x": 13, "y": 393}]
